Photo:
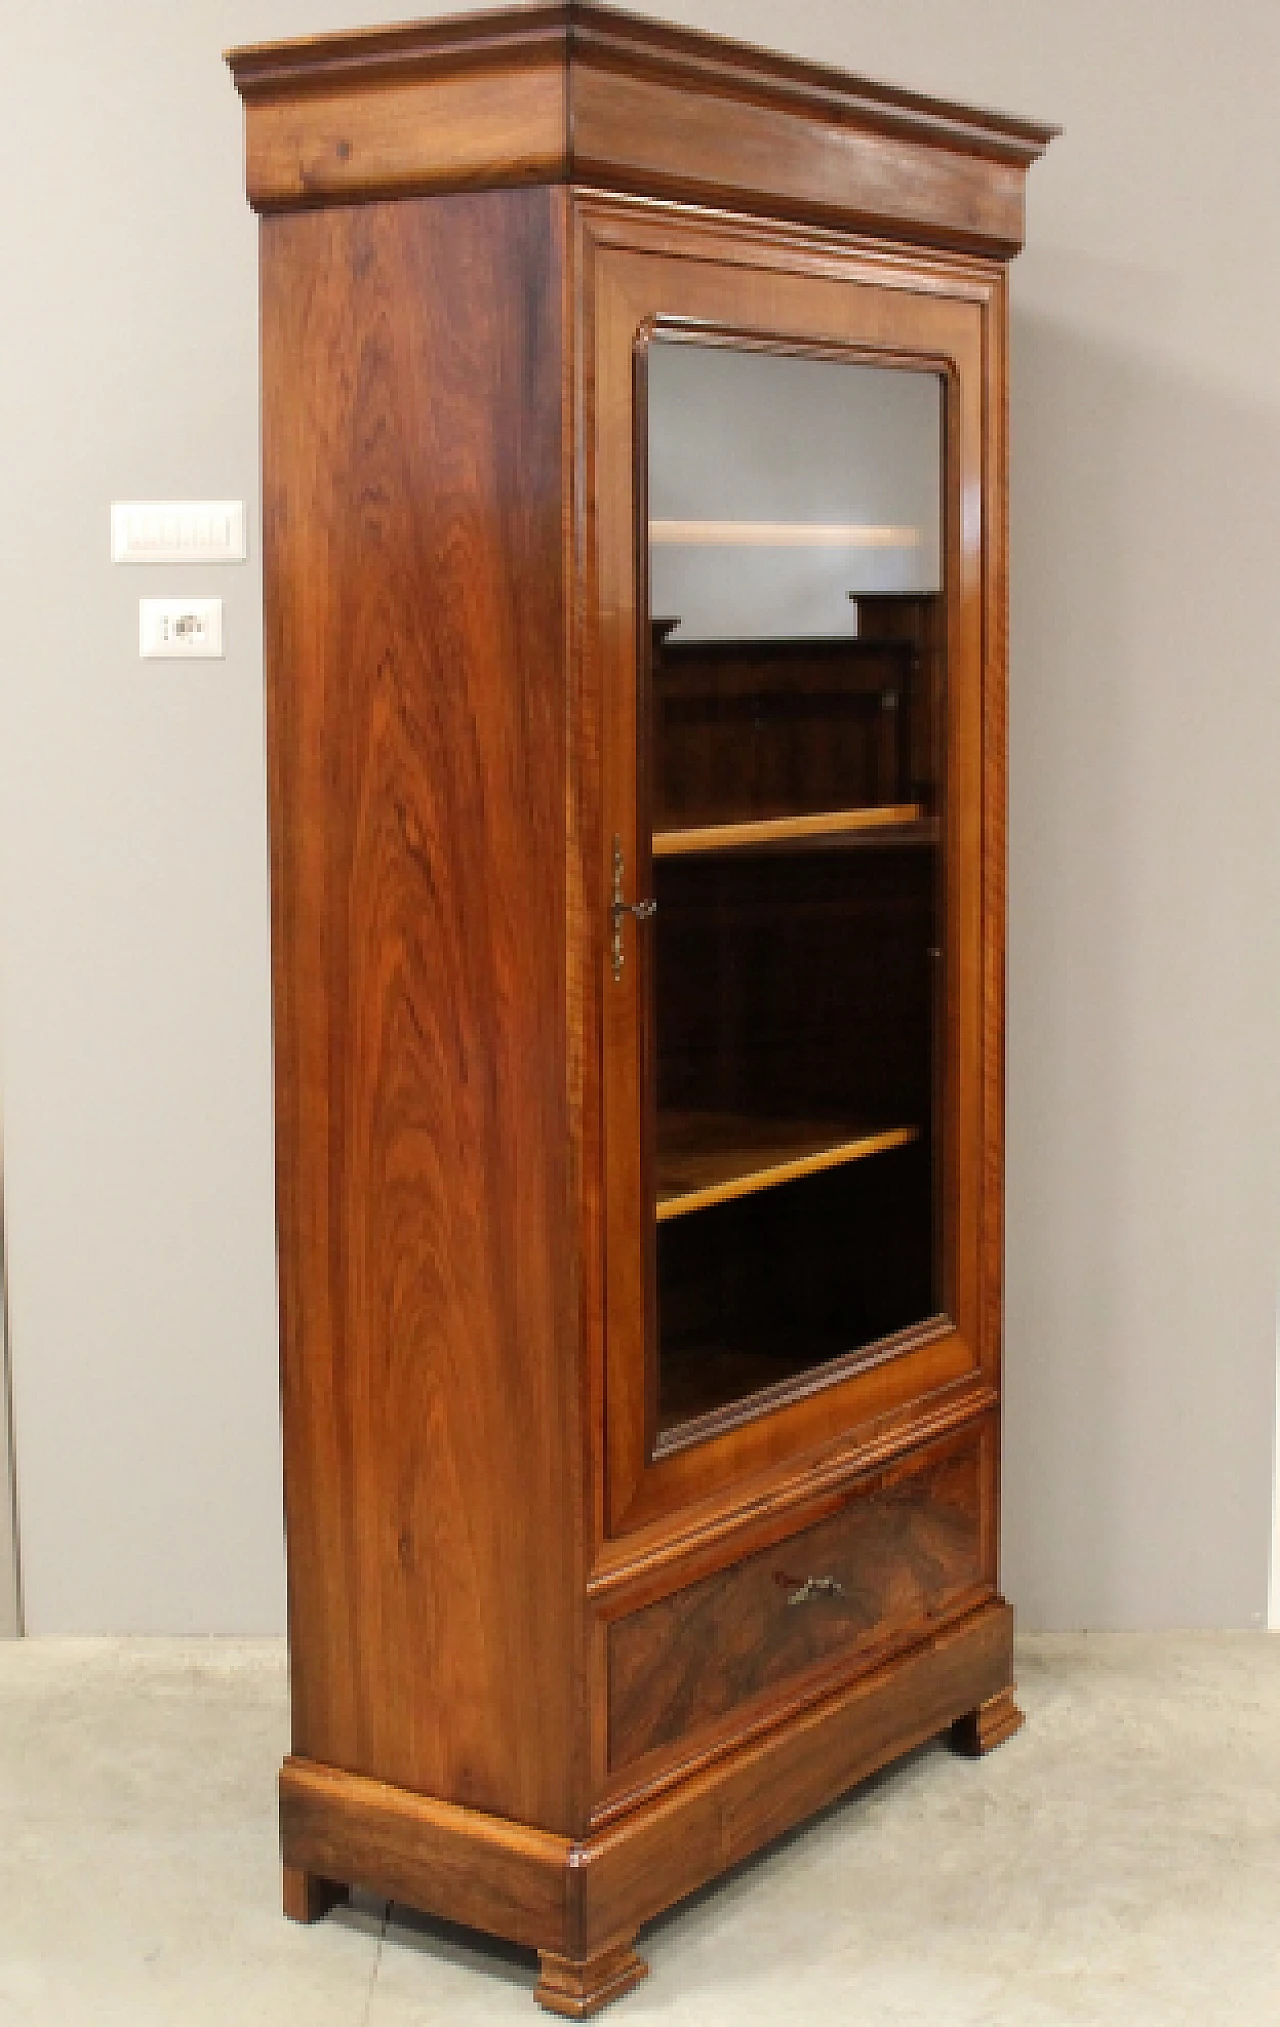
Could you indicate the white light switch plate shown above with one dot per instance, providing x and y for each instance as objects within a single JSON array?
[
  {"x": 177, "y": 531},
  {"x": 180, "y": 629}
]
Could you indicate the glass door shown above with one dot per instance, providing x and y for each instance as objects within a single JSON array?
[
  {"x": 790, "y": 457},
  {"x": 790, "y": 724}
]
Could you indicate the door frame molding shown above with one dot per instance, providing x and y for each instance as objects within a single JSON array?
[{"x": 944, "y": 315}]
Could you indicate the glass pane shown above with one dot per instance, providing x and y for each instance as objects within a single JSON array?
[{"x": 794, "y": 727}]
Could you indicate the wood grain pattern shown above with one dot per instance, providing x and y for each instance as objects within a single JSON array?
[
  {"x": 774, "y": 830},
  {"x": 416, "y": 653},
  {"x": 374, "y": 57},
  {"x": 663, "y": 1848},
  {"x": 585, "y": 94},
  {"x": 576, "y": 1899},
  {"x": 995, "y": 802},
  {"x": 577, "y": 1989},
  {"x": 407, "y": 139},
  {"x": 982, "y": 1730},
  {"x": 460, "y": 1863},
  {"x": 711, "y": 1158},
  {"x": 638, "y": 133},
  {"x": 709, "y": 1534},
  {"x": 307, "y": 1897},
  {"x": 902, "y": 1553}
]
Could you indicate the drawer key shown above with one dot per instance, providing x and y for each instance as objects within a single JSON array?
[{"x": 812, "y": 1587}]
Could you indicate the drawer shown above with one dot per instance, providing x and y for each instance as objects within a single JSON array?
[{"x": 904, "y": 1548}]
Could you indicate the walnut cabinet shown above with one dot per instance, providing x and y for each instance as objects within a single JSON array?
[{"x": 634, "y": 536}]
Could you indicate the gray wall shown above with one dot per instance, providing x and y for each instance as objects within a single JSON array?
[
  {"x": 1145, "y": 982},
  {"x": 10, "y": 1595}
]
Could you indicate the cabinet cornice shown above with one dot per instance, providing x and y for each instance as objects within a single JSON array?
[{"x": 578, "y": 93}]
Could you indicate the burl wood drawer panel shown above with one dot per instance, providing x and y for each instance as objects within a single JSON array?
[{"x": 905, "y": 1547}]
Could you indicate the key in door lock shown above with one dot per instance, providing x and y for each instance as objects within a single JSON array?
[
  {"x": 618, "y": 908},
  {"x": 812, "y": 1587}
]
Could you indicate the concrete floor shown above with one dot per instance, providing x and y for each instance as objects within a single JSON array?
[{"x": 1119, "y": 1861}]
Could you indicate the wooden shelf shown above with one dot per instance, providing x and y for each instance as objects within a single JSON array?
[
  {"x": 709, "y": 1158},
  {"x": 768, "y": 830}
]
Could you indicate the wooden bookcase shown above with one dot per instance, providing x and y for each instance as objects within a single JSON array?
[{"x": 636, "y": 751}]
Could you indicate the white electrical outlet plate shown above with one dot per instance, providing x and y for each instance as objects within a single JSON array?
[
  {"x": 178, "y": 531},
  {"x": 180, "y": 629}
]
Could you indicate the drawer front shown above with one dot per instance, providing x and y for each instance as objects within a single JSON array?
[{"x": 904, "y": 1549}]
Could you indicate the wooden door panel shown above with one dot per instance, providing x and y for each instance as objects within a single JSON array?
[{"x": 640, "y": 273}]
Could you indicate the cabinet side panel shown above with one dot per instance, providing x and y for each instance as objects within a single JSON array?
[{"x": 417, "y": 726}]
